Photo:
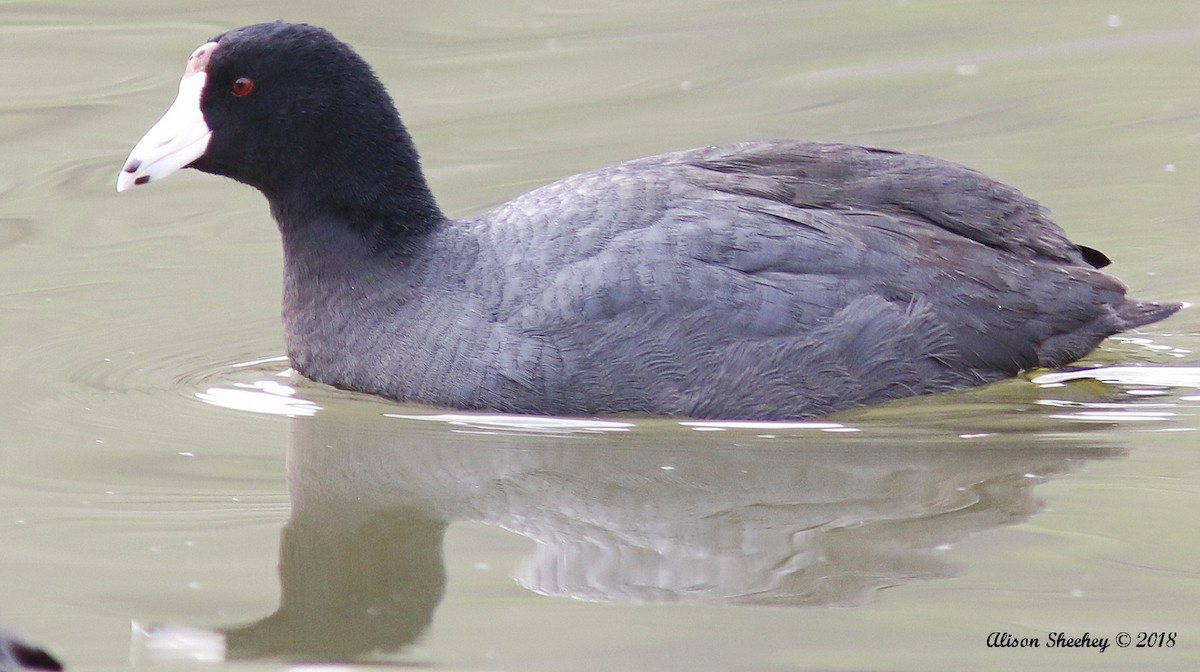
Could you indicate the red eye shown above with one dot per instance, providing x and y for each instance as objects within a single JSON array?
[{"x": 242, "y": 86}]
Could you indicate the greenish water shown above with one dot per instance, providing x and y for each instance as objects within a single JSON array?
[{"x": 157, "y": 467}]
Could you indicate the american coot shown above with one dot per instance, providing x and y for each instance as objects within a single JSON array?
[
  {"x": 775, "y": 279},
  {"x": 18, "y": 655}
]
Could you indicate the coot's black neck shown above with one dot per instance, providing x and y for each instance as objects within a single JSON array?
[
  {"x": 371, "y": 186},
  {"x": 356, "y": 214},
  {"x": 354, "y": 228}
]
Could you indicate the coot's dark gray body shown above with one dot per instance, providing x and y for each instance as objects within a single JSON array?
[{"x": 758, "y": 280}]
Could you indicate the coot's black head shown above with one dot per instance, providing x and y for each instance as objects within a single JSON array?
[{"x": 294, "y": 112}]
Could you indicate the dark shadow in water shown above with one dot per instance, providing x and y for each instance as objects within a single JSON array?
[{"x": 660, "y": 513}]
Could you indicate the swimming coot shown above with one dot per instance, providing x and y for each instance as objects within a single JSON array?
[{"x": 776, "y": 279}]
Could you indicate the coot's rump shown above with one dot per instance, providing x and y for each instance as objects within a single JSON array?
[{"x": 773, "y": 279}]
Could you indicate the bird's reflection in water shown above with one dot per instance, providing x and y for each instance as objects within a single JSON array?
[{"x": 623, "y": 512}]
